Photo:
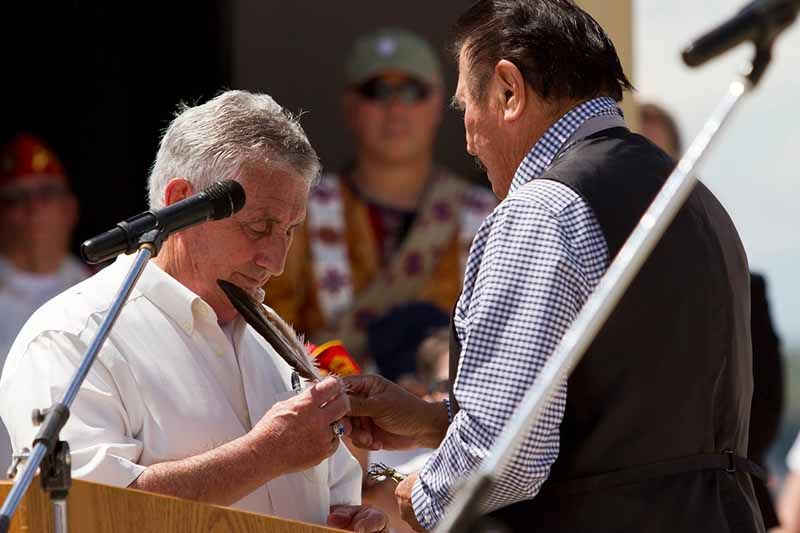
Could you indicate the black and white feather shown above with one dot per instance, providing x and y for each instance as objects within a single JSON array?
[{"x": 274, "y": 329}]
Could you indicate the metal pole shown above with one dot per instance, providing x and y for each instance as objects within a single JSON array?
[
  {"x": 60, "y": 516},
  {"x": 24, "y": 479},
  {"x": 593, "y": 315}
]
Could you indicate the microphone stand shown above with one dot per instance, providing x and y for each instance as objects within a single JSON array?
[
  {"x": 465, "y": 507},
  {"x": 49, "y": 451}
]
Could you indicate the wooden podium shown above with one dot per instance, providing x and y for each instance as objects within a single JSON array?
[{"x": 94, "y": 508}]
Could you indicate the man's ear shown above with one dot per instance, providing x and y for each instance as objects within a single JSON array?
[
  {"x": 177, "y": 190},
  {"x": 511, "y": 86}
]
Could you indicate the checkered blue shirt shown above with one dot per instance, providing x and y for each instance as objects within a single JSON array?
[{"x": 532, "y": 265}]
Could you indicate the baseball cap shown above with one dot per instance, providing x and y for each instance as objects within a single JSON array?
[
  {"x": 26, "y": 156},
  {"x": 393, "y": 49}
]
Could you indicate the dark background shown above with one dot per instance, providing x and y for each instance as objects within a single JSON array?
[{"x": 99, "y": 81}]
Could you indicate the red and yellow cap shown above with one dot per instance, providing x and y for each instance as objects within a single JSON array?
[{"x": 26, "y": 156}]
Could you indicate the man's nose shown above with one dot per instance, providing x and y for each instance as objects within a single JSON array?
[
  {"x": 470, "y": 146},
  {"x": 271, "y": 256}
]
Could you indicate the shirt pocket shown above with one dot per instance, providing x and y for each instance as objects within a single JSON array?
[{"x": 318, "y": 474}]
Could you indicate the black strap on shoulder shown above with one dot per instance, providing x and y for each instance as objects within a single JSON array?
[{"x": 727, "y": 461}]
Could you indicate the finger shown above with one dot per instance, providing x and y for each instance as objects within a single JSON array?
[
  {"x": 369, "y": 520},
  {"x": 375, "y": 443},
  {"x": 343, "y": 513},
  {"x": 361, "y": 436},
  {"x": 338, "y": 521},
  {"x": 336, "y": 408},
  {"x": 364, "y": 407},
  {"x": 325, "y": 390},
  {"x": 363, "y": 385}
]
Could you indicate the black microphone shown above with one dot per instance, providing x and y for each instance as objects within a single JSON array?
[
  {"x": 749, "y": 24},
  {"x": 218, "y": 201}
]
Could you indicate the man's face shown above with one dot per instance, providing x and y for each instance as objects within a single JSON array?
[
  {"x": 37, "y": 213},
  {"x": 393, "y": 117},
  {"x": 249, "y": 247},
  {"x": 482, "y": 126}
]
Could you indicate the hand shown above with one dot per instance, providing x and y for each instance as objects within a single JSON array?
[
  {"x": 403, "y": 496},
  {"x": 296, "y": 434},
  {"x": 359, "y": 518},
  {"x": 392, "y": 418}
]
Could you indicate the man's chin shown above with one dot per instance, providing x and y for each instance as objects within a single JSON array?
[{"x": 258, "y": 294}]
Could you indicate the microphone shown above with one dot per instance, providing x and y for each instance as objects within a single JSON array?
[
  {"x": 220, "y": 200},
  {"x": 760, "y": 19}
]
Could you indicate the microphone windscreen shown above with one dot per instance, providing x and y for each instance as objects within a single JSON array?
[{"x": 227, "y": 197}]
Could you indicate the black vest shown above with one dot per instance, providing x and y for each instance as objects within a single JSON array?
[{"x": 658, "y": 409}]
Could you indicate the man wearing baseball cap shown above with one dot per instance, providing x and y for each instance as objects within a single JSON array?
[
  {"x": 38, "y": 213},
  {"x": 391, "y": 227}
]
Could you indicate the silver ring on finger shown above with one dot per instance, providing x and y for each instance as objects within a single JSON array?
[{"x": 338, "y": 429}]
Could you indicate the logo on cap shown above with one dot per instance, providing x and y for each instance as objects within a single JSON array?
[{"x": 386, "y": 46}]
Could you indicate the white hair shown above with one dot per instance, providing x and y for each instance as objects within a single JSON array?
[{"x": 212, "y": 141}]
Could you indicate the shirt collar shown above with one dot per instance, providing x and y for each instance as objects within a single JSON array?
[
  {"x": 541, "y": 156},
  {"x": 168, "y": 294}
]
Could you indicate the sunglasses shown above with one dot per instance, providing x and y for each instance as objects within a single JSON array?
[
  {"x": 409, "y": 91},
  {"x": 23, "y": 195}
]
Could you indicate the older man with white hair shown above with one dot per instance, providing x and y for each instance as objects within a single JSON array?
[{"x": 185, "y": 398}]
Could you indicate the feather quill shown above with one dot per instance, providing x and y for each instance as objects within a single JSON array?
[{"x": 274, "y": 329}]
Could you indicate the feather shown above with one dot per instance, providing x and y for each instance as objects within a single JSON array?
[{"x": 274, "y": 329}]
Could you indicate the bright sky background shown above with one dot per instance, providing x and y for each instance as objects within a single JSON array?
[{"x": 754, "y": 168}]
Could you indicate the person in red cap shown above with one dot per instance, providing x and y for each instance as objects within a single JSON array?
[{"x": 37, "y": 216}]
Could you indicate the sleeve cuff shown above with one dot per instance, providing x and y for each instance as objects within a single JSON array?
[
  {"x": 100, "y": 466},
  {"x": 422, "y": 506}
]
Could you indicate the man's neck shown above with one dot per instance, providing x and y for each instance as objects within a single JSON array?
[
  {"x": 393, "y": 185},
  {"x": 541, "y": 122},
  {"x": 29, "y": 261}
]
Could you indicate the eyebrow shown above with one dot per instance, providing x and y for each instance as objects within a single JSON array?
[
  {"x": 456, "y": 104},
  {"x": 266, "y": 216}
]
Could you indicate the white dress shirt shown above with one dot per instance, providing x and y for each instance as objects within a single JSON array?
[{"x": 167, "y": 385}]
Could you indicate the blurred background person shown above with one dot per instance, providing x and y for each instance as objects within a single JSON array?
[
  {"x": 660, "y": 127},
  {"x": 392, "y": 227},
  {"x": 38, "y": 213}
]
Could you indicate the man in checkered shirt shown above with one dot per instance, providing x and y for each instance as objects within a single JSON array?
[{"x": 650, "y": 432}]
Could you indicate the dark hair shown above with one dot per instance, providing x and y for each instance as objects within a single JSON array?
[
  {"x": 561, "y": 51},
  {"x": 653, "y": 113}
]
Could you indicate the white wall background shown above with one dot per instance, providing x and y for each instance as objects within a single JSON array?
[{"x": 753, "y": 168}]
